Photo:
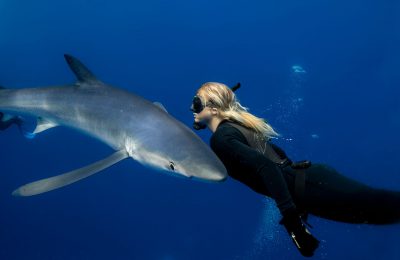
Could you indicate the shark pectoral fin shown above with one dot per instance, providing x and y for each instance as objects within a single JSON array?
[
  {"x": 43, "y": 124},
  {"x": 160, "y": 106},
  {"x": 62, "y": 180}
]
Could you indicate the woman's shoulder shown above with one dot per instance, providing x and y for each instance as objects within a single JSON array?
[
  {"x": 226, "y": 128},
  {"x": 227, "y": 131}
]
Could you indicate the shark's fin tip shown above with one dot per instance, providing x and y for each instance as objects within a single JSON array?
[
  {"x": 160, "y": 106},
  {"x": 16, "y": 193}
]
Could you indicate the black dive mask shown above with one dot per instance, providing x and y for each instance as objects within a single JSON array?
[{"x": 197, "y": 106}]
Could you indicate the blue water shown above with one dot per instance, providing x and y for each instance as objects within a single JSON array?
[{"x": 343, "y": 110}]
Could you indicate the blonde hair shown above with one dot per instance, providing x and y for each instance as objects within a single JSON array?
[{"x": 222, "y": 97}]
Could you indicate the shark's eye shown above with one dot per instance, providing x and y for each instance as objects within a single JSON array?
[{"x": 172, "y": 166}]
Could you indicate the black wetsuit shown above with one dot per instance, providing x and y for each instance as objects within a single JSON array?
[{"x": 327, "y": 193}]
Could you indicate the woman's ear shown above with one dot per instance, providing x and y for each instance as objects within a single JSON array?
[{"x": 214, "y": 111}]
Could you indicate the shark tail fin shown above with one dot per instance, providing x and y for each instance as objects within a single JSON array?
[{"x": 7, "y": 120}]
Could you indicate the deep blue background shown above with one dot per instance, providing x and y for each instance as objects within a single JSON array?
[{"x": 163, "y": 51}]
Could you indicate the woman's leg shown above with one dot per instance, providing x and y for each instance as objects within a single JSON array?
[{"x": 331, "y": 195}]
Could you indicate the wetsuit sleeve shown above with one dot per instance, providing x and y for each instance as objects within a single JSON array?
[{"x": 233, "y": 150}]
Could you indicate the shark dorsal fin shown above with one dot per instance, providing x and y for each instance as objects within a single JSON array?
[
  {"x": 82, "y": 73},
  {"x": 160, "y": 106}
]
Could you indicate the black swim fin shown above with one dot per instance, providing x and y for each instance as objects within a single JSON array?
[{"x": 305, "y": 242}]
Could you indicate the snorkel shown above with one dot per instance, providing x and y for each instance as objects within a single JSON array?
[{"x": 197, "y": 106}]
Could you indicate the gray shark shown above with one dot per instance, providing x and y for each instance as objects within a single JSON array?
[{"x": 131, "y": 125}]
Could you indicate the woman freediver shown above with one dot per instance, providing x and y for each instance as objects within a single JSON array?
[{"x": 242, "y": 141}]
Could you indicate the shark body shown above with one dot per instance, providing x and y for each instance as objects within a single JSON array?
[{"x": 133, "y": 126}]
